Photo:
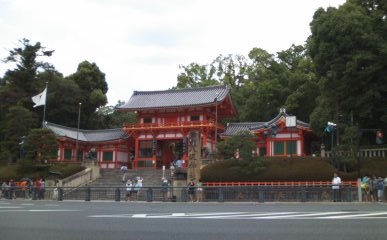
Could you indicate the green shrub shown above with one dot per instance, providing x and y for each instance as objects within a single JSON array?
[
  {"x": 8, "y": 172},
  {"x": 287, "y": 169},
  {"x": 24, "y": 169},
  {"x": 66, "y": 170}
]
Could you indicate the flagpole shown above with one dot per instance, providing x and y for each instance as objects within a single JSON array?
[{"x": 45, "y": 104}]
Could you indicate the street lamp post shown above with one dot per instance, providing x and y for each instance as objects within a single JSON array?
[
  {"x": 331, "y": 128},
  {"x": 216, "y": 121},
  {"x": 79, "y": 119}
]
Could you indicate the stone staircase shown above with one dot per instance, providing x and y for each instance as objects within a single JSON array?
[{"x": 113, "y": 177}]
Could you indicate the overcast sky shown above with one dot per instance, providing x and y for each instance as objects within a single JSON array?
[{"x": 139, "y": 44}]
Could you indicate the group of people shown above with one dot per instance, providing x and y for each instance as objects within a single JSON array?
[
  {"x": 133, "y": 188},
  {"x": 25, "y": 189},
  {"x": 195, "y": 191},
  {"x": 374, "y": 188}
]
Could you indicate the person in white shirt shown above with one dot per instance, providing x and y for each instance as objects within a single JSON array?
[
  {"x": 129, "y": 186},
  {"x": 336, "y": 182}
]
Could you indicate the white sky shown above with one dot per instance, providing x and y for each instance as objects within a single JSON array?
[{"x": 139, "y": 44}]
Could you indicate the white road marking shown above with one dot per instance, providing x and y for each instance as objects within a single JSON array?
[
  {"x": 39, "y": 210},
  {"x": 246, "y": 215},
  {"x": 256, "y": 216},
  {"x": 53, "y": 210},
  {"x": 361, "y": 215},
  {"x": 303, "y": 215}
]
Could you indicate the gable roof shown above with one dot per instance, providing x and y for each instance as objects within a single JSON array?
[
  {"x": 176, "y": 98},
  {"x": 87, "y": 135},
  {"x": 281, "y": 116},
  {"x": 234, "y": 128}
]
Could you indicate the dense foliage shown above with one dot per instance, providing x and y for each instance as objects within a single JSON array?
[
  {"x": 339, "y": 75},
  {"x": 30, "y": 77}
]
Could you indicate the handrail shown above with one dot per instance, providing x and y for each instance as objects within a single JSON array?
[{"x": 281, "y": 184}]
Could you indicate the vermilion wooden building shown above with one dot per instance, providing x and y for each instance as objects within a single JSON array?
[
  {"x": 283, "y": 135},
  {"x": 164, "y": 119}
]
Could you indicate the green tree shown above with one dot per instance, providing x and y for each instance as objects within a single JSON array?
[
  {"x": 16, "y": 89},
  {"x": 241, "y": 142},
  {"x": 262, "y": 83},
  {"x": 107, "y": 117},
  {"x": 348, "y": 46},
  {"x": 41, "y": 144},
  {"x": 196, "y": 75},
  {"x": 24, "y": 77},
  {"x": 93, "y": 86},
  {"x": 16, "y": 124},
  {"x": 63, "y": 108},
  {"x": 301, "y": 81}
]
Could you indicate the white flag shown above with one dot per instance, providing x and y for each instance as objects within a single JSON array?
[{"x": 40, "y": 99}]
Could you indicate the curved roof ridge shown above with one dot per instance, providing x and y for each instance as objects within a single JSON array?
[
  {"x": 190, "y": 89},
  {"x": 172, "y": 98},
  {"x": 87, "y": 135}
]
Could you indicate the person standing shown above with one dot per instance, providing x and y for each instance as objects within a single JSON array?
[
  {"x": 4, "y": 190},
  {"x": 380, "y": 188},
  {"x": 191, "y": 190},
  {"x": 199, "y": 191},
  {"x": 24, "y": 188},
  {"x": 38, "y": 185},
  {"x": 164, "y": 188},
  {"x": 42, "y": 188},
  {"x": 129, "y": 186},
  {"x": 336, "y": 182},
  {"x": 12, "y": 189},
  {"x": 385, "y": 188},
  {"x": 136, "y": 189}
]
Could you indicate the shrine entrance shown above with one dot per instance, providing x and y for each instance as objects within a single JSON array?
[{"x": 169, "y": 152}]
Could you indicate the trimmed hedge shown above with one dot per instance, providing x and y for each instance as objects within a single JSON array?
[
  {"x": 17, "y": 172},
  {"x": 288, "y": 169}
]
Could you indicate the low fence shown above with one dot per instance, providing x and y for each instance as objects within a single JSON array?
[
  {"x": 262, "y": 193},
  {"x": 371, "y": 152}
]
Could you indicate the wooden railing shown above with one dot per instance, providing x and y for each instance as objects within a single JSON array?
[
  {"x": 371, "y": 152},
  {"x": 175, "y": 125}
]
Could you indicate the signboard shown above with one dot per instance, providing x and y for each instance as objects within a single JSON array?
[{"x": 291, "y": 121}]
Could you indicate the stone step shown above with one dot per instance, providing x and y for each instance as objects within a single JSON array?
[{"x": 114, "y": 177}]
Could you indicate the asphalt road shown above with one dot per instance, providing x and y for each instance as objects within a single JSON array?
[{"x": 28, "y": 220}]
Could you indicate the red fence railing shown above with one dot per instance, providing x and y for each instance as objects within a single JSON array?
[{"x": 278, "y": 184}]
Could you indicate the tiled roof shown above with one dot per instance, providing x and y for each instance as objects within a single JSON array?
[
  {"x": 234, "y": 128},
  {"x": 281, "y": 114},
  {"x": 175, "y": 98},
  {"x": 87, "y": 135}
]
